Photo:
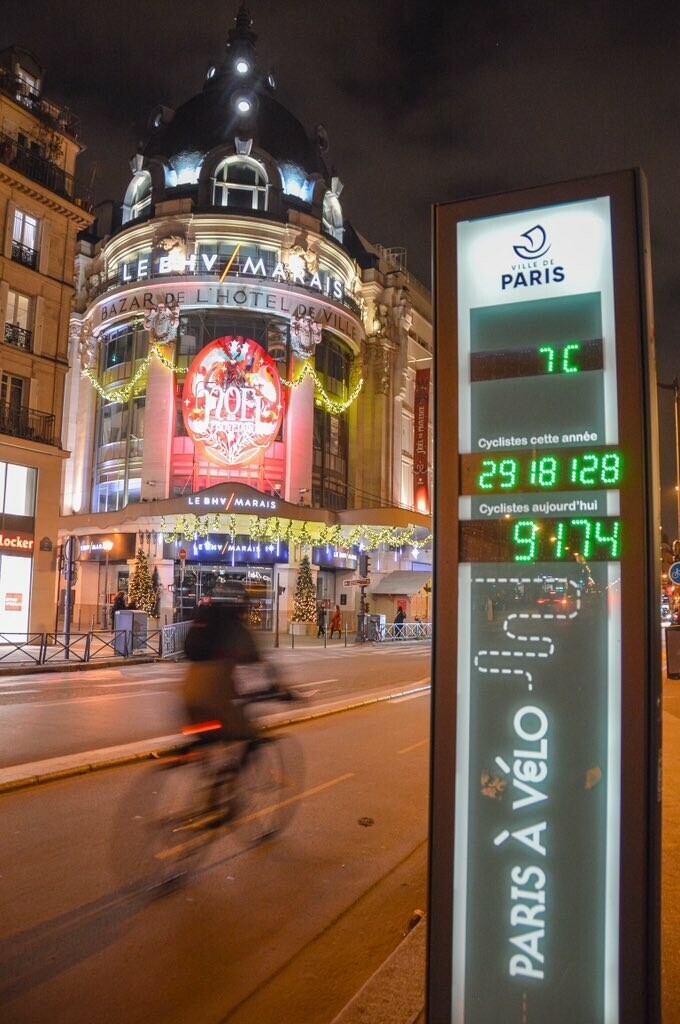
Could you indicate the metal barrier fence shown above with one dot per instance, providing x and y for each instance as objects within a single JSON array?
[
  {"x": 74, "y": 647},
  {"x": 405, "y": 631}
]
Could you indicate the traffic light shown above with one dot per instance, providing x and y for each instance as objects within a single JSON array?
[{"x": 364, "y": 566}]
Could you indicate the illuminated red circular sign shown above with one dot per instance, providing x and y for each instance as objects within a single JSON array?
[{"x": 232, "y": 401}]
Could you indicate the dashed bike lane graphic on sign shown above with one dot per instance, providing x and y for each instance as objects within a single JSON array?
[{"x": 529, "y": 645}]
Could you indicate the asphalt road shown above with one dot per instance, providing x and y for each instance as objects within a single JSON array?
[
  {"x": 48, "y": 715},
  {"x": 286, "y": 932}
]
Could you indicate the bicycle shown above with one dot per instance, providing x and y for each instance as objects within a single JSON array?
[{"x": 245, "y": 790}]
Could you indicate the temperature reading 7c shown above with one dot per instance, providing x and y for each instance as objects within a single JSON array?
[{"x": 560, "y": 361}]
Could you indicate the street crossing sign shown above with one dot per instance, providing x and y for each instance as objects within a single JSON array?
[{"x": 356, "y": 583}]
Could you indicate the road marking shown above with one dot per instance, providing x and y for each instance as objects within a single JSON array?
[
  {"x": 14, "y": 693},
  {"x": 16, "y": 682},
  {"x": 414, "y": 746},
  {"x": 101, "y": 697},
  {"x": 136, "y": 682},
  {"x": 206, "y": 838},
  {"x": 317, "y": 682},
  {"x": 409, "y": 696}
]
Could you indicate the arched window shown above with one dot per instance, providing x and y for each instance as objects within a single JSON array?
[
  {"x": 332, "y": 216},
  {"x": 138, "y": 197},
  {"x": 241, "y": 183}
]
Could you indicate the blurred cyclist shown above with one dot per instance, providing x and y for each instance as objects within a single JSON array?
[{"x": 218, "y": 641}]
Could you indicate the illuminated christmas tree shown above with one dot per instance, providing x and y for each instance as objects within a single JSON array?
[
  {"x": 304, "y": 599},
  {"x": 141, "y": 592}
]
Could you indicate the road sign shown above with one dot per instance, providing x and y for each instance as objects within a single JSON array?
[
  {"x": 674, "y": 573},
  {"x": 546, "y": 665},
  {"x": 182, "y": 554},
  {"x": 356, "y": 583}
]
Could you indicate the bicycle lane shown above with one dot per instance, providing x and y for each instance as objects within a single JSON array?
[
  {"x": 335, "y": 890},
  {"x": 22, "y": 776}
]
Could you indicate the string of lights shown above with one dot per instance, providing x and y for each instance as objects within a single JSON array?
[
  {"x": 126, "y": 391},
  {"x": 264, "y": 531}
]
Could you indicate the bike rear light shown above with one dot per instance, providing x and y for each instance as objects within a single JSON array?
[{"x": 194, "y": 730}]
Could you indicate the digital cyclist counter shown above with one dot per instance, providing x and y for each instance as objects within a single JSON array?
[{"x": 544, "y": 853}]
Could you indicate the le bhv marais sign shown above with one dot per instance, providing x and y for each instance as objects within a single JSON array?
[{"x": 294, "y": 271}]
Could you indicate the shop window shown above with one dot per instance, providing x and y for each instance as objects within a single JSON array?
[
  {"x": 109, "y": 496},
  {"x": 329, "y": 464},
  {"x": 137, "y": 428},
  {"x": 134, "y": 490},
  {"x": 333, "y": 362},
  {"x": 15, "y": 592},
  {"x": 19, "y": 486},
  {"x": 113, "y": 424},
  {"x": 25, "y": 239},
  {"x": 118, "y": 348},
  {"x": 18, "y": 320},
  {"x": 241, "y": 183}
]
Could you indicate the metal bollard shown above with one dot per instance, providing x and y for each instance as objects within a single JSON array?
[
  {"x": 345, "y": 634},
  {"x": 325, "y": 638},
  {"x": 292, "y": 639}
]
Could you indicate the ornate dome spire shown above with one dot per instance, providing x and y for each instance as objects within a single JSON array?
[{"x": 240, "y": 55}]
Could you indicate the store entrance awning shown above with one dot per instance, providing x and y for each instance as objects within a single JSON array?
[{"x": 401, "y": 583}]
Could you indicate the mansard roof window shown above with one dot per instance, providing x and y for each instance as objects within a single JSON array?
[
  {"x": 241, "y": 182},
  {"x": 137, "y": 200}
]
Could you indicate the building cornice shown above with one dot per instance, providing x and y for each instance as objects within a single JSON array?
[{"x": 80, "y": 217}]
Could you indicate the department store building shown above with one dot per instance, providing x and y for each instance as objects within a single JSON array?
[{"x": 250, "y": 377}]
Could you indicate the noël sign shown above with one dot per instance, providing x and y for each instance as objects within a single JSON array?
[{"x": 544, "y": 898}]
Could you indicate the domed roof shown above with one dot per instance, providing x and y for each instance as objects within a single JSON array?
[{"x": 212, "y": 118}]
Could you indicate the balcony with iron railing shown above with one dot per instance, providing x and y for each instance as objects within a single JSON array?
[
  {"x": 24, "y": 254},
  {"x": 29, "y": 161},
  {"x": 59, "y": 119},
  {"x": 20, "y": 337},
  {"x": 29, "y": 424}
]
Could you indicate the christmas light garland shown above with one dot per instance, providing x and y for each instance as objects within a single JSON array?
[
  {"x": 329, "y": 404},
  {"x": 124, "y": 393},
  {"x": 262, "y": 531}
]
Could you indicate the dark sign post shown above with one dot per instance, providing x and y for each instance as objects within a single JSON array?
[{"x": 544, "y": 896}]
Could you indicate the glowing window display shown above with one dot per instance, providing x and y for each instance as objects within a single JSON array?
[{"x": 232, "y": 401}]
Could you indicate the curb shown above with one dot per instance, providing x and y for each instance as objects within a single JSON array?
[
  {"x": 28, "y": 778},
  {"x": 395, "y": 993},
  {"x": 32, "y": 668}
]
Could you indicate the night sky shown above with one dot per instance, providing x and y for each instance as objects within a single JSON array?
[{"x": 424, "y": 101}]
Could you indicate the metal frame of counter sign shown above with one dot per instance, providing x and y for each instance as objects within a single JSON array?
[{"x": 545, "y": 790}]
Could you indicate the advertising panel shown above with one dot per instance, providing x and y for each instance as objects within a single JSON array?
[
  {"x": 421, "y": 430},
  {"x": 554, "y": 538},
  {"x": 232, "y": 402}
]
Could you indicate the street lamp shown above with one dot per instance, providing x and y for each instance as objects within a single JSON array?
[{"x": 675, "y": 388}]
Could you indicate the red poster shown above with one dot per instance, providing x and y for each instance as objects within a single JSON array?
[{"x": 421, "y": 429}]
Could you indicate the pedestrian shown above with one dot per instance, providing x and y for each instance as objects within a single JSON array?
[
  {"x": 399, "y": 619},
  {"x": 117, "y": 606},
  {"x": 320, "y": 621},
  {"x": 336, "y": 622}
]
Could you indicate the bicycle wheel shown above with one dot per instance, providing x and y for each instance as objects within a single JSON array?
[
  {"x": 177, "y": 831},
  {"x": 159, "y": 832},
  {"x": 267, "y": 785}
]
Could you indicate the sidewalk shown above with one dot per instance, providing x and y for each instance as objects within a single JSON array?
[{"x": 396, "y": 992}]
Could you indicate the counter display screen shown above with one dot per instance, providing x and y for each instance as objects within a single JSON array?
[
  {"x": 566, "y": 357},
  {"x": 512, "y": 472},
  {"x": 538, "y": 687},
  {"x": 541, "y": 540}
]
